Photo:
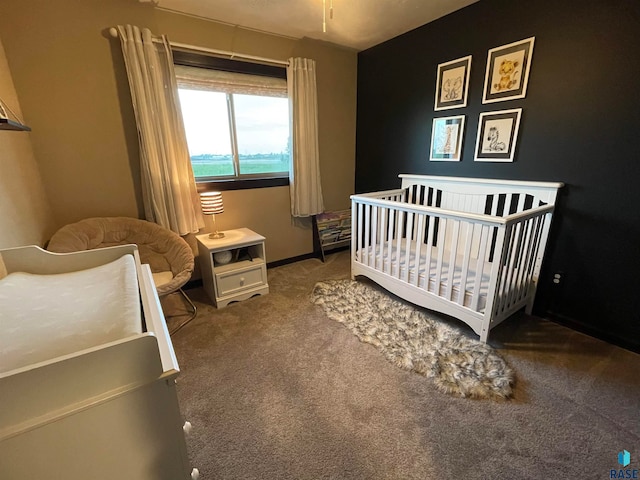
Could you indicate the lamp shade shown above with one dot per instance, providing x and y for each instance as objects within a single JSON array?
[{"x": 211, "y": 203}]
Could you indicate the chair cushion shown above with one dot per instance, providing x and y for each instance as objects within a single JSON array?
[
  {"x": 162, "y": 278},
  {"x": 162, "y": 249}
]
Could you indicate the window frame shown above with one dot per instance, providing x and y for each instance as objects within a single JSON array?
[{"x": 237, "y": 181}]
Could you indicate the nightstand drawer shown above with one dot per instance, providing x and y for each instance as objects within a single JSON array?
[{"x": 237, "y": 280}]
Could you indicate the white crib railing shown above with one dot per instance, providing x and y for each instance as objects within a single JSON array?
[{"x": 472, "y": 265}]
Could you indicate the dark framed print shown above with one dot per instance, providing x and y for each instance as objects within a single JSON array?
[
  {"x": 446, "y": 139},
  {"x": 507, "y": 73},
  {"x": 452, "y": 84},
  {"x": 497, "y": 135}
]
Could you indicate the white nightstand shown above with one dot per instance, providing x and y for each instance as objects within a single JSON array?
[{"x": 244, "y": 276}]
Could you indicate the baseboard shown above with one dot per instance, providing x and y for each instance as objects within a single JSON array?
[
  {"x": 287, "y": 261},
  {"x": 593, "y": 332},
  {"x": 335, "y": 250}
]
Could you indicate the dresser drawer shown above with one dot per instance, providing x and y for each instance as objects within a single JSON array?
[{"x": 238, "y": 280}]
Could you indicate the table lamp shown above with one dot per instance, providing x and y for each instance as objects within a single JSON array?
[{"x": 211, "y": 203}]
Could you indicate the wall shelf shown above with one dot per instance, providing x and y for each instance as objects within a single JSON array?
[{"x": 6, "y": 124}]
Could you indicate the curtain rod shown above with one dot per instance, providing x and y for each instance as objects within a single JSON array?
[
  {"x": 114, "y": 33},
  {"x": 231, "y": 55}
]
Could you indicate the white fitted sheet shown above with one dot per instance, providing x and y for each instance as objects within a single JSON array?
[
  {"x": 390, "y": 266},
  {"x": 47, "y": 316}
]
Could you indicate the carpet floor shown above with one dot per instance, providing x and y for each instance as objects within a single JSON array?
[{"x": 277, "y": 390}]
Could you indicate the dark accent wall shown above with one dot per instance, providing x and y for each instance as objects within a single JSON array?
[{"x": 580, "y": 125}]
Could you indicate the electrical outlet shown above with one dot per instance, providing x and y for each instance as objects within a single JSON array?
[{"x": 558, "y": 278}]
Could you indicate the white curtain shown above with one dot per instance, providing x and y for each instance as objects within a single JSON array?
[
  {"x": 304, "y": 174},
  {"x": 168, "y": 185}
]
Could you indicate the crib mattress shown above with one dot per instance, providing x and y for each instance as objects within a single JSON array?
[
  {"x": 46, "y": 316},
  {"x": 380, "y": 260}
]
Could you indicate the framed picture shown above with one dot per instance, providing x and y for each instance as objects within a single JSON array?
[
  {"x": 452, "y": 84},
  {"x": 508, "y": 71},
  {"x": 446, "y": 139},
  {"x": 497, "y": 135}
]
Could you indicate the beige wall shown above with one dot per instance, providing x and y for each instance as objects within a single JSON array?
[
  {"x": 74, "y": 90},
  {"x": 25, "y": 216}
]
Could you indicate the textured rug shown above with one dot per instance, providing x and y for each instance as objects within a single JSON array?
[{"x": 415, "y": 341}]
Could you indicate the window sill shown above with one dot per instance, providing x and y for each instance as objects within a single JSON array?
[{"x": 244, "y": 184}]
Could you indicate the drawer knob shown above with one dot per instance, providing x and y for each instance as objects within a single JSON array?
[{"x": 241, "y": 280}]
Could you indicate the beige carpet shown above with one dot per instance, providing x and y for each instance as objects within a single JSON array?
[{"x": 277, "y": 390}]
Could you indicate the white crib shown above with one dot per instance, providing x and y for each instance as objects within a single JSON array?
[{"x": 469, "y": 248}]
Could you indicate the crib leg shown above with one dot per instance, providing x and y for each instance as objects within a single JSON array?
[
  {"x": 529, "y": 307},
  {"x": 484, "y": 334}
]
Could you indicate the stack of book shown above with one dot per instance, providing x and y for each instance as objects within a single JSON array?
[{"x": 334, "y": 229}]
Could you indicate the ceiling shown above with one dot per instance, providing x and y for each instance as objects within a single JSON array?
[{"x": 356, "y": 24}]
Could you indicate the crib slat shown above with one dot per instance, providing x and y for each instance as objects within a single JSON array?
[
  {"x": 374, "y": 234},
  {"x": 419, "y": 194},
  {"x": 494, "y": 204},
  {"x": 419, "y": 243},
  {"x": 538, "y": 241},
  {"x": 521, "y": 200},
  {"x": 465, "y": 262},
  {"x": 512, "y": 294},
  {"x": 367, "y": 230},
  {"x": 520, "y": 283},
  {"x": 410, "y": 194},
  {"x": 398, "y": 259},
  {"x": 519, "y": 287},
  {"x": 392, "y": 214},
  {"x": 375, "y": 212},
  {"x": 535, "y": 239},
  {"x": 453, "y": 258},
  {"x": 507, "y": 205},
  {"x": 482, "y": 251},
  {"x": 427, "y": 269},
  {"x": 382, "y": 237},
  {"x": 407, "y": 253},
  {"x": 510, "y": 283},
  {"x": 497, "y": 271},
  {"x": 359, "y": 238},
  {"x": 526, "y": 287},
  {"x": 507, "y": 270},
  {"x": 442, "y": 227},
  {"x": 536, "y": 227}
]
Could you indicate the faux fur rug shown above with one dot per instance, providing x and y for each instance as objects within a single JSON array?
[{"x": 412, "y": 340}]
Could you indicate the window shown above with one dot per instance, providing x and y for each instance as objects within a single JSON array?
[{"x": 237, "y": 124}]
